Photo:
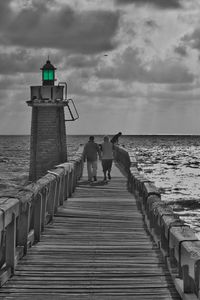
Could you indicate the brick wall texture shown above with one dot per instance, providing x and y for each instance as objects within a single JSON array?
[{"x": 48, "y": 140}]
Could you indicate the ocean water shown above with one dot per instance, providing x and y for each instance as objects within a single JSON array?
[{"x": 171, "y": 162}]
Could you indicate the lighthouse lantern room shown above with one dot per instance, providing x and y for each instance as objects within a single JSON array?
[{"x": 48, "y": 73}]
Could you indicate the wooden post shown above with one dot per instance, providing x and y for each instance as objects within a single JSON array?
[
  {"x": 66, "y": 185},
  {"x": 51, "y": 199},
  {"x": 186, "y": 279},
  {"x": 57, "y": 190},
  {"x": 74, "y": 178},
  {"x": 197, "y": 277},
  {"x": 44, "y": 207},
  {"x": 62, "y": 189},
  {"x": 23, "y": 230},
  {"x": 37, "y": 217},
  {"x": 11, "y": 244},
  {"x": 70, "y": 183},
  {"x": 57, "y": 193}
]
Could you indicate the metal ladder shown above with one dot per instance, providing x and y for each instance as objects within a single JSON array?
[{"x": 70, "y": 104}]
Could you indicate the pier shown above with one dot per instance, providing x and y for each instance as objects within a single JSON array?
[{"x": 63, "y": 238}]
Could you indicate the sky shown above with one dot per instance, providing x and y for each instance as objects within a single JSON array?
[{"x": 130, "y": 65}]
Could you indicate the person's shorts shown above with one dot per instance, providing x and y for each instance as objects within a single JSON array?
[{"x": 106, "y": 164}]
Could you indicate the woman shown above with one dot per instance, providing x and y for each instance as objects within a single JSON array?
[{"x": 107, "y": 157}]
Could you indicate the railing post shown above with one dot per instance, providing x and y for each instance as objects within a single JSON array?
[
  {"x": 11, "y": 244},
  {"x": 23, "y": 228},
  {"x": 197, "y": 277},
  {"x": 37, "y": 217},
  {"x": 57, "y": 189},
  {"x": 62, "y": 190},
  {"x": 67, "y": 184},
  {"x": 44, "y": 194},
  {"x": 70, "y": 182},
  {"x": 51, "y": 199},
  {"x": 186, "y": 279}
]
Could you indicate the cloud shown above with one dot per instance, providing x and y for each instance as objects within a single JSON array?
[
  {"x": 17, "y": 61},
  {"x": 184, "y": 87},
  {"x": 129, "y": 66},
  {"x": 20, "y": 60},
  {"x": 168, "y": 71},
  {"x": 80, "y": 61},
  {"x": 162, "y": 4},
  {"x": 151, "y": 24},
  {"x": 181, "y": 50},
  {"x": 193, "y": 39},
  {"x": 5, "y": 12},
  {"x": 3, "y": 98},
  {"x": 39, "y": 26}
]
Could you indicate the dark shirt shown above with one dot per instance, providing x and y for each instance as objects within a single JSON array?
[
  {"x": 115, "y": 138},
  {"x": 90, "y": 151}
]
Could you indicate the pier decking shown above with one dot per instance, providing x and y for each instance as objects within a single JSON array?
[{"x": 97, "y": 247}]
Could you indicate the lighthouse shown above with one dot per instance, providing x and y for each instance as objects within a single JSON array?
[{"x": 48, "y": 134}]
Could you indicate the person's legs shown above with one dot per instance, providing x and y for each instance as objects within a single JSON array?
[
  {"x": 104, "y": 168},
  {"x": 94, "y": 170},
  {"x": 109, "y": 165},
  {"x": 89, "y": 170}
]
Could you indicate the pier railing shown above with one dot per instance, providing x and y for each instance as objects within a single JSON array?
[
  {"x": 24, "y": 215},
  {"x": 177, "y": 241}
]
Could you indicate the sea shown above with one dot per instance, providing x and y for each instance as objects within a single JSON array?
[{"x": 171, "y": 162}]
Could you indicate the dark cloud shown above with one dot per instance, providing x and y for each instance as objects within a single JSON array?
[
  {"x": 181, "y": 50},
  {"x": 129, "y": 67},
  {"x": 151, "y": 24},
  {"x": 5, "y": 12},
  {"x": 17, "y": 61},
  {"x": 163, "y": 4},
  {"x": 193, "y": 39},
  {"x": 81, "y": 61},
  {"x": 39, "y": 26},
  {"x": 22, "y": 60}
]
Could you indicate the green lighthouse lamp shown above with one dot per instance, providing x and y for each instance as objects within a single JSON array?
[{"x": 48, "y": 73}]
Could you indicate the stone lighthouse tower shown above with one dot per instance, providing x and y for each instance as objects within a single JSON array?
[{"x": 48, "y": 136}]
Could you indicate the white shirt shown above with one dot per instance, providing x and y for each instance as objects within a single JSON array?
[{"x": 107, "y": 150}]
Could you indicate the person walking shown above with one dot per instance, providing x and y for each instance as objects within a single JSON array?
[
  {"x": 107, "y": 157},
  {"x": 90, "y": 153}
]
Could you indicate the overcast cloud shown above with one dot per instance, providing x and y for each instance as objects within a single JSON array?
[
  {"x": 123, "y": 60},
  {"x": 62, "y": 28},
  {"x": 163, "y": 4}
]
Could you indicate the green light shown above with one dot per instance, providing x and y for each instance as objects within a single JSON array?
[
  {"x": 48, "y": 75},
  {"x": 51, "y": 75}
]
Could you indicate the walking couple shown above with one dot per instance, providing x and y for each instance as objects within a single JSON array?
[{"x": 105, "y": 153}]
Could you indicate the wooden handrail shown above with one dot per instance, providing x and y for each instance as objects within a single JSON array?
[
  {"x": 177, "y": 242},
  {"x": 24, "y": 215}
]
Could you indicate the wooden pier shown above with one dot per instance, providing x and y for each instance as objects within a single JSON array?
[{"x": 97, "y": 247}]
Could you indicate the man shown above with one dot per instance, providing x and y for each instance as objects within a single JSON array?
[
  {"x": 107, "y": 157},
  {"x": 115, "y": 138},
  {"x": 90, "y": 152}
]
